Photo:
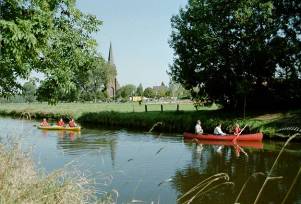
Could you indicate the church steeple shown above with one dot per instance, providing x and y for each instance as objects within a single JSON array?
[
  {"x": 113, "y": 84},
  {"x": 111, "y": 58}
]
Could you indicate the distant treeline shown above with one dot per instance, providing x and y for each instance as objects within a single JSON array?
[{"x": 30, "y": 94}]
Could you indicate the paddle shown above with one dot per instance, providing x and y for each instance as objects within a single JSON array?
[
  {"x": 239, "y": 149},
  {"x": 235, "y": 138}
]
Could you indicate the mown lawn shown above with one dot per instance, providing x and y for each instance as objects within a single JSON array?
[{"x": 77, "y": 109}]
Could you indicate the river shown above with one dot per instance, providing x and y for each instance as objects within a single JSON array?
[{"x": 152, "y": 168}]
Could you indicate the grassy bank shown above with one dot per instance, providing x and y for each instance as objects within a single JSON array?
[
  {"x": 20, "y": 182},
  {"x": 133, "y": 116},
  {"x": 178, "y": 122}
]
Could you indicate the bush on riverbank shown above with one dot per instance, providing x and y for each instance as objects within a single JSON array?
[
  {"x": 177, "y": 122},
  {"x": 21, "y": 183}
]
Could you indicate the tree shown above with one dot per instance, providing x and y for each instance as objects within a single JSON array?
[
  {"x": 177, "y": 90},
  {"x": 126, "y": 91},
  {"x": 29, "y": 91},
  {"x": 233, "y": 50},
  {"x": 160, "y": 91},
  {"x": 93, "y": 85},
  {"x": 139, "y": 90},
  {"x": 51, "y": 37},
  {"x": 149, "y": 92}
]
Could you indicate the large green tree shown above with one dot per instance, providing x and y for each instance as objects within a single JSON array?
[
  {"x": 50, "y": 37},
  {"x": 126, "y": 91},
  {"x": 149, "y": 92},
  {"x": 93, "y": 86},
  {"x": 177, "y": 90},
  {"x": 139, "y": 90},
  {"x": 29, "y": 91},
  {"x": 237, "y": 50}
]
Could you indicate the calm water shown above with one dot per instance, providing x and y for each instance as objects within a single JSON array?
[{"x": 159, "y": 169}]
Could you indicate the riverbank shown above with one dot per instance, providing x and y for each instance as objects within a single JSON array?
[
  {"x": 133, "y": 116},
  {"x": 21, "y": 182},
  {"x": 178, "y": 122}
]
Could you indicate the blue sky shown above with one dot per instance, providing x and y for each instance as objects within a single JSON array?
[{"x": 139, "y": 31}]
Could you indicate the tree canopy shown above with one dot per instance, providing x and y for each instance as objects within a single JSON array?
[
  {"x": 149, "y": 92},
  {"x": 126, "y": 91},
  {"x": 29, "y": 91},
  {"x": 233, "y": 50},
  {"x": 139, "y": 90},
  {"x": 49, "y": 37}
]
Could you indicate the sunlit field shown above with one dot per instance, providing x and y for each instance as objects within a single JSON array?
[{"x": 77, "y": 109}]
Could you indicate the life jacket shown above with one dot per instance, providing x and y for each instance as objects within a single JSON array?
[
  {"x": 237, "y": 130},
  {"x": 60, "y": 123},
  {"x": 44, "y": 123},
  {"x": 71, "y": 124}
]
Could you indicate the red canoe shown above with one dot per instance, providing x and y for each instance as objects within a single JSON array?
[
  {"x": 252, "y": 144},
  {"x": 244, "y": 137}
]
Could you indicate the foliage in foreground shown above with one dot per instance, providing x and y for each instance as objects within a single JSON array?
[
  {"x": 21, "y": 183},
  {"x": 53, "y": 38}
]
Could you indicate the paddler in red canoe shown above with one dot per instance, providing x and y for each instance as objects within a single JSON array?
[
  {"x": 198, "y": 127},
  {"x": 237, "y": 129},
  {"x": 218, "y": 130}
]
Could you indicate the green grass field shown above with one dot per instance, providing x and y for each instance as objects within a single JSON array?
[{"x": 77, "y": 109}]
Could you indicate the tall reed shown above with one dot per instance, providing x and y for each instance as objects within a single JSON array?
[
  {"x": 272, "y": 168},
  {"x": 21, "y": 182},
  {"x": 205, "y": 186}
]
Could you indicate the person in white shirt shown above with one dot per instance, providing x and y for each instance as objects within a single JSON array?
[
  {"x": 218, "y": 130},
  {"x": 198, "y": 127}
]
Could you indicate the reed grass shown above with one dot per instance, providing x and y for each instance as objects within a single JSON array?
[
  {"x": 269, "y": 176},
  {"x": 217, "y": 180},
  {"x": 273, "y": 166},
  {"x": 20, "y": 182},
  {"x": 291, "y": 187},
  {"x": 205, "y": 186},
  {"x": 254, "y": 175}
]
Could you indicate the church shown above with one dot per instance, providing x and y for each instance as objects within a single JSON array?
[{"x": 113, "y": 85}]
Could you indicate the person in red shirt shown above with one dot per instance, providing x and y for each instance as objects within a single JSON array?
[
  {"x": 237, "y": 129},
  {"x": 60, "y": 122},
  {"x": 44, "y": 122},
  {"x": 72, "y": 123}
]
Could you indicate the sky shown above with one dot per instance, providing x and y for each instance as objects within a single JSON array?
[{"x": 139, "y": 31}]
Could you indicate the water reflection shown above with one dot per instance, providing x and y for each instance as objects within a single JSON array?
[
  {"x": 162, "y": 168},
  {"x": 209, "y": 159},
  {"x": 74, "y": 143}
]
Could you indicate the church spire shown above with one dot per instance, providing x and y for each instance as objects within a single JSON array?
[{"x": 110, "y": 58}]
